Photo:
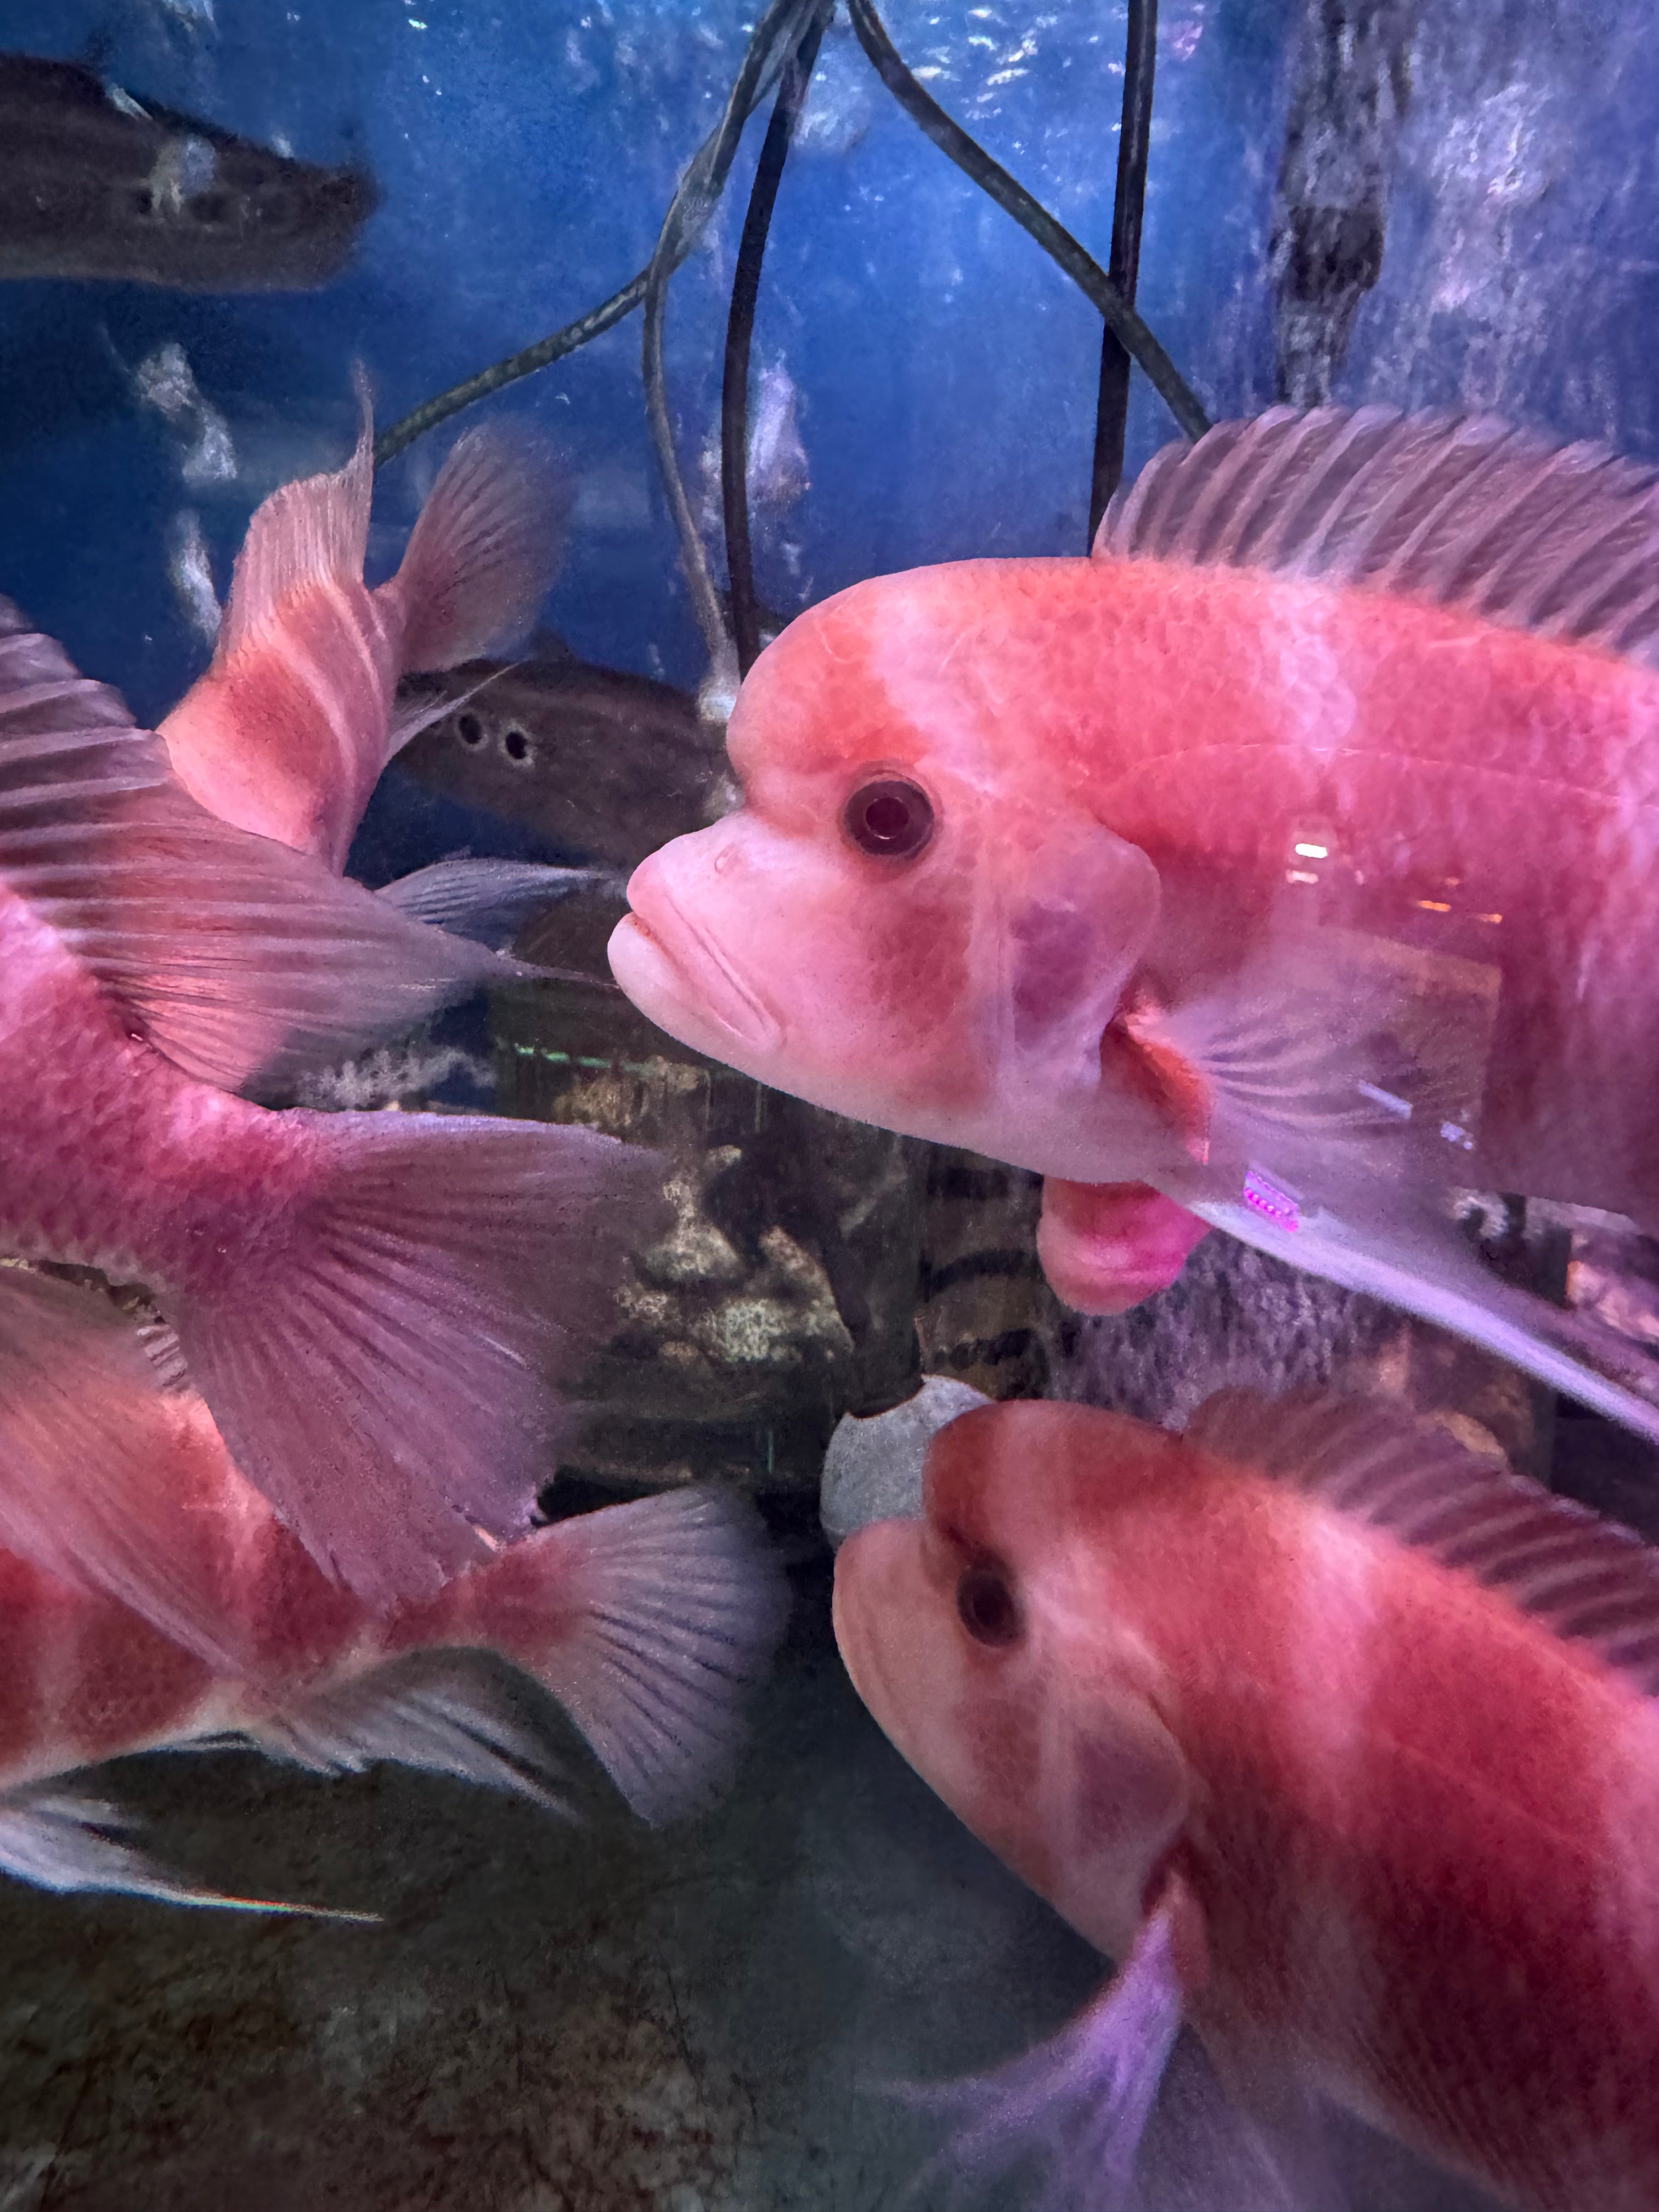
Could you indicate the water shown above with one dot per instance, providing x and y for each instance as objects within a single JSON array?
[{"x": 711, "y": 2019}]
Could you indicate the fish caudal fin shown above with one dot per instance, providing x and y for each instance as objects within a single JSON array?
[
  {"x": 484, "y": 552},
  {"x": 648, "y": 1622},
  {"x": 383, "y": 1369},
  {"x": 1078, "y": 2105},
  {"x": 56, "y": 1838}
]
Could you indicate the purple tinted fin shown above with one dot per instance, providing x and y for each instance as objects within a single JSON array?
[
  {"x": 446, "y": 1712},
  {"x": 1074, "y": 2109},
  {"x": 83, "y": 1436},
  {"x": 490, "y": 899},
  {"x": 649, "y": 1622},
  {"x": 1463, "y": 511},
  {"x": 312, "y": 532},
  {"x": 485, "y": 551},
  {"x": 385, "y": 1372},
  {"x": 58, "y": 1839},
  {"x": 1583, "y": 1576},
  {"x": 238, "y": 959}
]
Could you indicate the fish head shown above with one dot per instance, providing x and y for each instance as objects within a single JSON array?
[
  {"x": 981, "y": 1636},
  {"x": 906, "y": 920}
]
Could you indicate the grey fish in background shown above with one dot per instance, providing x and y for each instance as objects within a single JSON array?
[
  {"x": 94, "y": 184},
  {"x": 594, "y": 760}
]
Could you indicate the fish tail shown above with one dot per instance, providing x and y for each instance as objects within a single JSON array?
[
  {"x": 383, "y": 1361},
  {"x": 484, "y": 552},
  {"x": 648, "y": 1622}
]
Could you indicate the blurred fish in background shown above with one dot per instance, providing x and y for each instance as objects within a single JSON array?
[{"x": 97, "y": 183}]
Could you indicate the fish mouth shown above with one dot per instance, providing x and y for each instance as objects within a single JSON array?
[{"x": 673, "y": 962}]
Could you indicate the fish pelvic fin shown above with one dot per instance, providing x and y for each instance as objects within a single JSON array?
[
  {"x": 649, "y": 1622},
  {"x": 57, "y": 1838},
  {"x": 1077, "y": 2106},
  {"x": 385, "y": 1367},
  {"x": 484, "y": 552}
]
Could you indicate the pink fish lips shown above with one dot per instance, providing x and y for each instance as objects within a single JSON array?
[{"x": 678, "y": 977}]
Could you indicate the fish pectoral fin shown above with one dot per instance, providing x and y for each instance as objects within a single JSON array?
[
  {"x": 236, "y": 957},
  {"x": 489, "y": 900},
  {"x": 1317, "y": 1058},
  {"x": 59, "y": 1838},
  {"x": 459, "y": 1713},
  {"x": 1077, "y": 2106}
]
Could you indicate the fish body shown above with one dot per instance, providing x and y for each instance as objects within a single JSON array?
[
  {"x": 1306, "y": 830},
  {"x": 95, "y": 185},
  {"x": 678, "y": 1589},
  {"x": 592, "y": 760},
  {"x": 377, "y": 1308},
  {"x": 287, "y": 731},
  {"x": 1238, "y": 1705}
]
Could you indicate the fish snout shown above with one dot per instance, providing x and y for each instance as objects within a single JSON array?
[{"x": 671, "y": 952}]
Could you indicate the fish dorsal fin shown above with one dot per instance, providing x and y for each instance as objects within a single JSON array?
[
  {"x": 1462, "y": 511},
  {"x": 305, "y": 532},
  {"x": 233, "y": 956},
  {"x": 1584, "y": 1577}
]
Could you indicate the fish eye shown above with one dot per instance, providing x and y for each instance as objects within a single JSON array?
[
  {"x": 469, "y": 730},
  {"x": 987, "y": 1606},
  {"x": 889, "y": 818},
  {"x": 516, "y": 746}
]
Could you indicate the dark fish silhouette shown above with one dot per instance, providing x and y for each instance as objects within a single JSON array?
[
  {"x": 94, "y": 184},
  {"x": 591, "y": 759}
]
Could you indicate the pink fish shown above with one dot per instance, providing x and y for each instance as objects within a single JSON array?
[
  {"x": 1340, "y": 1742},
  {"x": 287, "y": 731},
  {"x": 1292, "y": 855},
  {"x": 646, "y": 1621},
  {"x": 378, "y": 1308}
]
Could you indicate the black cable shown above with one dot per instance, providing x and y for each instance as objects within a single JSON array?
[
  {"x": 1128, "y": 204},
  {"x": 1055, "y": 241},
  {"x": 740, "y": 334},
  {"x": 753, "y": 81},
  {"x": 776, "y": 36}
]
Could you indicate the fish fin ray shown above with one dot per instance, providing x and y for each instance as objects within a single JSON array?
[
  {"x": 490, "y": 899},
  {"x": 311, "y": 532},
  {"x": 485, "y": 551},
  {"x": 83, "y": 1427},
  {"x": 1079, "y": 2102},
  {"x": 235, "y": 957},
  {"x": 649, "y": 1622},
  {"x": 446, "y": 1712},
  {"x": 1589, "y": 1579},
  {"x": 57, "y": 1838},
  {"x": 388, "y": 1377},
  {"x": 1463, "y": 511}
]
